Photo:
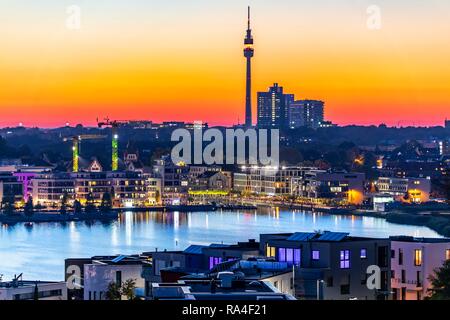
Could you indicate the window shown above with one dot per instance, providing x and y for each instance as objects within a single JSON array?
[
  {"x": 363, "y": 254},
  {"x": 393, "y": 254},
  {"x": 289, "y": 255},
  {"x": 345, "y": 289},
  {"x": 316, "y": 255},
  {"x": 447, "y": 254},
  {"x": 297, "y": 257},
  {"x": 393, "y": 274},
  {"x": 418, "y": 257},
  {"x": 403, "y": 276},
  {"x": 400, "y": 257},
  {"x": 270, "y": 251},
  {"x": 329, "y": 281},
  {"x": 345, "y": 259},
  {"x": 282, "y": 254},
  {"x": 419, "y": 279},
  {"x": 213, "y": 261},
  {"x": 118, "y": 279}
]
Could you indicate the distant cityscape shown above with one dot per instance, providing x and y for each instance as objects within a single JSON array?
[{"x": 76, "y": 174}]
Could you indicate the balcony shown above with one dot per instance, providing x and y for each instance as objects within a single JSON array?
[{"x": 410, "y": 284}]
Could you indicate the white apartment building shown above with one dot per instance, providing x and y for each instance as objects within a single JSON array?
[
  {"x": 413, "y": 261},
  {"x": 100, "y": 273},
  {"x": 18, "y": 289},
  {"x": 271, "y": 181}
]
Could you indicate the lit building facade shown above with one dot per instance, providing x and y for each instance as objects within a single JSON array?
[
  {"x": 273, "y": 107},
  {"x": 319, "y": 184},
  {"x": 414, "y": 190},
  {"x": 49, "y": 188},
  {"x": 271, "y": 181},
  {"x": 331, "y": 265},
  {"x": 306, "y": 113},
  {"x": 413, "y": 261}
]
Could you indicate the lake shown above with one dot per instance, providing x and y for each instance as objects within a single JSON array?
[{"x": 39, "y": 251}]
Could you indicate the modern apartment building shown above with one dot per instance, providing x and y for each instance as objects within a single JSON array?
[
  {"x": 105, "y": 270},
  {"x": 19, "y": 289},
  {"x": 271, "y": 181},
  {"x": 320, "y": 184},
  {"x": 331, "y": 265},
  {"x": 414, "y": 190},
  {"x": 413, "y": 261}
]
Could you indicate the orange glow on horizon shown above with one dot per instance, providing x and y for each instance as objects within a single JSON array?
[{"x": 164, "y": 65}]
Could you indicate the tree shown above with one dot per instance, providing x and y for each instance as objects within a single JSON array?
[
  {"x": 113, "y": 292},
  {"x": 77, "y": 208},
  {"x": 106, "y": 204},
  {"x": 440, "y": 283},
  {"x": 64, "y": 199},
  {"x": 128, "y": 288},
  {"x": 29, "y": 209},
  {"x": 8, "y": 205}
]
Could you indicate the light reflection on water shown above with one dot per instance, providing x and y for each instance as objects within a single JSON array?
[{"x": 39, "y": 251}]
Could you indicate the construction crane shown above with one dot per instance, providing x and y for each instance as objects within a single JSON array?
[
  {"x": 114, "y": 125},
  {"x": 76, "y": 140}
]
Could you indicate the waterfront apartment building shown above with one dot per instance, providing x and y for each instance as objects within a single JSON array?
[
  {"x": 306, "y": 113},
  {"x": 413, "y": 261},
  {"x": 49, "y": 188},
  {"x": 273, "y": 107},
  {"x": 91, "y": 184},
  {"x": 413, "y": 190},
  {"x": 271, "y": 181},
  {"x": 320, "y": 184},
  {"x": 174, "y": 180},
  {"x": 331, "y": 265},
  {"x": 128, "y": 189}
]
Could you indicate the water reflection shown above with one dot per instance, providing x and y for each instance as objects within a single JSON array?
[{"x": 39, "y": 251}]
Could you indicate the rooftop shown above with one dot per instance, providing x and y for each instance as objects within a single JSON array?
[
  {"x": 419, "y": 240},
  {"x": 217, "y": 290},
  {"x": 319, "y": 236}
]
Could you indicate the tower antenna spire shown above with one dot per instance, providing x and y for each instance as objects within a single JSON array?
[{"x": 248, "y": 54}]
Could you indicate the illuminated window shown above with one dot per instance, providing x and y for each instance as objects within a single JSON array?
[
  {"x": 363, "y": 254},
  {"x": 345, "y": 259},
  {"x": 213, "y": 261},
  {"x": 289, "y": 255},
  {"x": 316, "y": 255},
  {"x": 447, "y": 254},
  {"x": 418, "y": 257},
  {"x": 270, "y": 251}
]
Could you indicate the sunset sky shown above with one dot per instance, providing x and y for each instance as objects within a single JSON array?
[{"x": 183, "y": 60}]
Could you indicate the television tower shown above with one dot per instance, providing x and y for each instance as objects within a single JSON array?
[{"x": 248, "y": 53}]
